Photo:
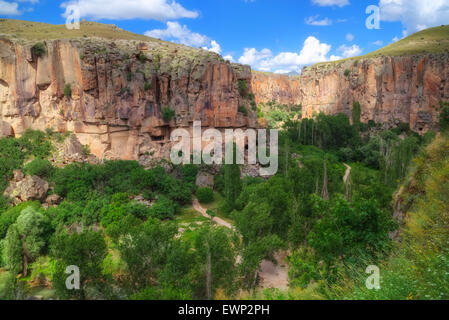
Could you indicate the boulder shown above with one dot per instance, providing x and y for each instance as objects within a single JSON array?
[
  {"x": 27, "y": 189},
  {"x": 205, "y": 180},
  {"x": 6, "y": 130},
  {"x": 53, "y": 199}
]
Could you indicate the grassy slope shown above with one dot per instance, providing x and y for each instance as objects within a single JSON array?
[
  {"x": 418, "y": 267},
  {"x": 38, "y": 31},
  {"x": 432, "y": 40}
]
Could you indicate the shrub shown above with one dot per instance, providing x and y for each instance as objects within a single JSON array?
[
  {"x": 444, "y": 116},
  {"x": 67, "y": 91},
  {"x": 129, "y": 76},
  {"x": 167, "y": 114},
  {"x": 147, "y": 86},
  {"x": 242, "y": 109},
  {"x": 142, "y": 57},
  {"x": 41, "y": 168},
  {"x": 86, "y": 150},
  {"x": 243, "y": 89},
  {"x": 347, "y": 73},
  {"x": 205, "y": 195},
  {"x": 39, "y": 49},
  {"x": 164, "y": 208}
]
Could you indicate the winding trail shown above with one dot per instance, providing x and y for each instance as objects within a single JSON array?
[
  {"x": 197, "y": 206},
  {"x": 271, "y": 275},
  {"x": 348, "y": 172}
]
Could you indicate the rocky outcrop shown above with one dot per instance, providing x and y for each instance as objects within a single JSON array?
[
  {"x": 269, "y": 87},
  {"x": 390, "y": 89},
  {"x": 111, "y": 95},
  {"x": 28, "y": 188}
]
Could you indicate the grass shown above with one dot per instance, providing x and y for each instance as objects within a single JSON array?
[
  {"x": 432, "y": 40},
  {"x": 38, "y": 31}
]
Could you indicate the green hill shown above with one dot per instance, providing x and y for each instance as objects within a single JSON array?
[
  {"x": 29, "y": 30},
  {"x": 432, "y": 40}
]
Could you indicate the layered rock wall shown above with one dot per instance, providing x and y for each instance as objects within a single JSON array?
[
  {"x": 389, "y": 89},
  {"x": 112, "y": 94}
]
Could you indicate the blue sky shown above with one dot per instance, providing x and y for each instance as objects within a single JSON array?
[{"x": 270, "y": 35}]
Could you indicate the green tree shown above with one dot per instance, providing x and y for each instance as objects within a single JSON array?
[
  {"x": 216, "y": 253},
  {"x": 25, "y": 239},
  {"x": 232, "y": 185},
  {"x": 205, "y": 195},
  {"x": 86, "y": 250}
]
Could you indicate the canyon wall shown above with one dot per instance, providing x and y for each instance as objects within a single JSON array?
[
  {"x": 390, "y": 89},
  {"x": 112, "y": 94}
]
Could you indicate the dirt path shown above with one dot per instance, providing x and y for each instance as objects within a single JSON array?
[
  {"x": 271, "y": 275},
  {"x": 348, "y": 172},
  {"x": 197, "y": 206}
]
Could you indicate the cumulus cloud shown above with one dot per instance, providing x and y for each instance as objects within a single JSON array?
[
  {"x": 351, "y": 51},
  {"x": 327, "y": 3},
  {"x": 215, "y": 47},
  {"x": 313, "y": 51},
  {"x": 315, "y": 21},
  {"x": 161, "y": 10},
  {"x": 181, "y": 34},
  {"x": 229, "y": 58},
  {"x": 415, "y": 15},
  {"x": 9, "y": 8}
]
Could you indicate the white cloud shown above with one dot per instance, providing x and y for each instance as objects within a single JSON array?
[
  {"x": 395, "y": 39},
  {"x": 215, "y": 47},
  {"x": 8, "y": 8},
  {"x": 183, "y": 35},
  {"x": 314, "y": 21},
  {"x": 415, "y": 15},
  {"x": 313, "y": 51},
  {"x": 348, "y": 52},
  {"x": 378, "y": 43},
  {"x": 350, "y": 37},
  {"x": 326, "y": 3},
  {"x": 180, "y": 34},
  {"x": 161, "y": 10},
  {"x": 229, "y": 58}
]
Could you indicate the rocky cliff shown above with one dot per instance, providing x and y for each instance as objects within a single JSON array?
[
  {"x": 390, "y": 89},
  {"x": 112, "y": 93}
]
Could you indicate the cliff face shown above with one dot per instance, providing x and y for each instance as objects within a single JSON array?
[
  {"x": 274, "y": 87},
  {"x": 389, "y": 89},
  {"x": 118, "y": 91}
]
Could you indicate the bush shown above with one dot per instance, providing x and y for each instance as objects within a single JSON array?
[
  {"x": 67, "y": 91},
  {"x": 147, "y": 86},
  {"x": 142, "y": 57},
  {"x": 41, "y": 168},
  {"x": 444, "y": 116},
  {"x": 205, "y": 195},
  {"x": 164, "y": 208},
  {"x": 129, "y": 76},
  {"x": 243, "y": 110},
  {"x": 39, "y": 49},
  {"x": 347, "y": 73},
  {"x": 167, "y": 114},
  {"x": 243, "y": 88}
]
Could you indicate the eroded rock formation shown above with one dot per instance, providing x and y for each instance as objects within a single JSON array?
[
  {"x": 390, "y": 89},
  {"x": 112, "y": 94}
]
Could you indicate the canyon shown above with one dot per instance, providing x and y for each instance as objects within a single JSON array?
[
  {"x": 391, "y": 90},
  {"x": 113, "y": 93}
]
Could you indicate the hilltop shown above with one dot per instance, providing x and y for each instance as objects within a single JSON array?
[{"x": 38, "y": 31}]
